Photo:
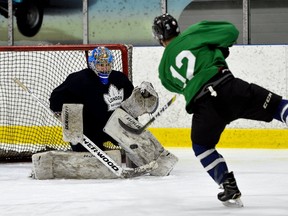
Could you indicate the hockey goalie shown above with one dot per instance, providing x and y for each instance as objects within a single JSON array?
[{"x": 141, "y": 148}]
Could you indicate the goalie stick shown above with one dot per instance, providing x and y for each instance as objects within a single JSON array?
[
  {"x": 141, "y": 129},
  {"x": 95, "y": 150}
]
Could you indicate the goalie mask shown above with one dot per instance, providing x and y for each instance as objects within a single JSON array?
[
  {"x": 101, "y": 62},
  {"x": 165, "y": 27}
]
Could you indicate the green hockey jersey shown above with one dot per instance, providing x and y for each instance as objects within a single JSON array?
[{"x": 192, "y": 58}]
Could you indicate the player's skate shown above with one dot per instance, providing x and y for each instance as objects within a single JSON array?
[{"x": 231, "y": 195}]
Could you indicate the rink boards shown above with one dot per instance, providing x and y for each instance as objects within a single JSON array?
[{"x": 168, "y": 137}]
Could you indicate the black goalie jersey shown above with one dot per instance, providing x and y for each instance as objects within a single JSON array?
[{"x": 99, "y": 100}]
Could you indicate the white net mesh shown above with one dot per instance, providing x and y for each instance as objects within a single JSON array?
[{"x": 25, "y": 126}]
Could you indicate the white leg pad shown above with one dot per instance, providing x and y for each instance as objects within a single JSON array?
[
  {"x": 166, "y": 162},
  {"x": 140, "y": 148},
  {"x": 72, "y": 165}
]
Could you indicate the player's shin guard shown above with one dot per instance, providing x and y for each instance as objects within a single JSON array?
[
  {"x": 216, "y": 166},
  {"x": 212, "y": 161}
]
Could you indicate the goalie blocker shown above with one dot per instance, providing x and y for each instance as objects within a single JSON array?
[{"x": 72, "y": 123}]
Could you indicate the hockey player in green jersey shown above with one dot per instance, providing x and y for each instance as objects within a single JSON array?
[
  {"x": 193, "y": 64},
  {"x": 188, "y": 75}
]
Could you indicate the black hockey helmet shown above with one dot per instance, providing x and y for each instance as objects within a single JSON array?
[{"x": 165, "y": 27}]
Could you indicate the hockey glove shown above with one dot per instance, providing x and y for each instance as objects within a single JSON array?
[{"x": 144, "y": 99}]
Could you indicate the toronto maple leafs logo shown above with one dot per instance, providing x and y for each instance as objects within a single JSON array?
[{"x": 114, "y": 97}]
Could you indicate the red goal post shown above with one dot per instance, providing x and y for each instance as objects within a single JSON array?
[{"x": 25, "y": 127}]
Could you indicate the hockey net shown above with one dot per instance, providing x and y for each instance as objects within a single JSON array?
[{"x": 26, "y": 127}]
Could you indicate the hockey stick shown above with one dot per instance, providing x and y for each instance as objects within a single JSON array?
[
  {"x": 95, "y": 150},
  {"x": 141, "y": 129}
]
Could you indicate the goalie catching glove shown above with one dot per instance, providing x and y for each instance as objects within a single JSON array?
[{"x": 144, "y": 99}]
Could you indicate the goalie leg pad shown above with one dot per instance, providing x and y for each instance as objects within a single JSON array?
[
  {"x": 166, "y": 162},
  {"x": 142, "y": 148},
  {"x": 71, "y": 165},
  {"x": 72, "y": 123}
]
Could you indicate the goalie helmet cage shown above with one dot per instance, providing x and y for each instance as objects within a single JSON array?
[{"x": 25, "y": 127}]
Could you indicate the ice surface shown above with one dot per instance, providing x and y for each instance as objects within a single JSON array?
[{"x": 262, "y": 177}]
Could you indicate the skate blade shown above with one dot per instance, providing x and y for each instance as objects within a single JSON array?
[{"x": 233, "y": 203}]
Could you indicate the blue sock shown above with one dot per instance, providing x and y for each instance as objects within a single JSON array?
[
  {"x": 281, "y": 113},
  {"x": 212, "y": 161}
]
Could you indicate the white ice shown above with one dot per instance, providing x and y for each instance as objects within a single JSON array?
[{"x": 262, "y": 177}]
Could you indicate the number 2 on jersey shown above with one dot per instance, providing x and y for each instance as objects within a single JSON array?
[{"x": 185, "y": 54}]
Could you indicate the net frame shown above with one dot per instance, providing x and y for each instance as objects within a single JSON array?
[{"x": 15, "y": 143}]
